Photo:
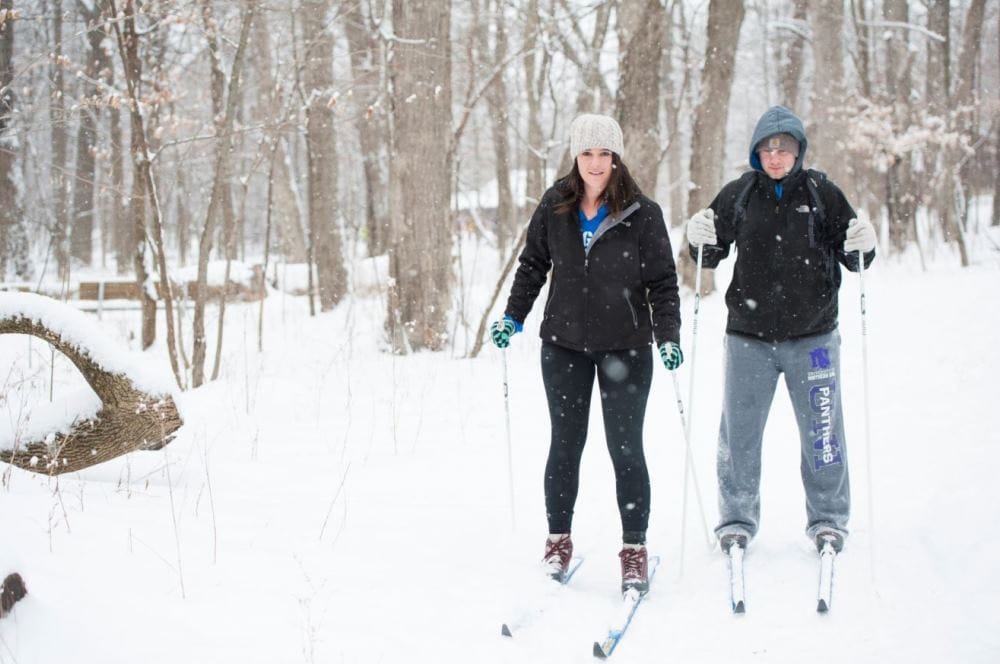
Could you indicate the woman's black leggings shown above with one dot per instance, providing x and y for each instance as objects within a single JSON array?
[{"x": 624, "y": 377}]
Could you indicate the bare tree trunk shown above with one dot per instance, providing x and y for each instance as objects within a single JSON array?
[
  {"x": 963, "y": 99},
  {"x": 938, "y": 76},
  {"x": 498, "y": 101},
  {"x": 829, "y": 89},
  {"x": 972, "y": 38},
  {"x": 60, "y": 165},
  {"x": 790, "y": 72},
  {"x": 331, "y": 275},
  {"x": 676, "y": 98},
  {"x": 864, "y": 29},
  {"x": 938, "y": 199},
  {"x": 371, "y": 123},
  {"x": 81, "y": 239},
  {"x": 81, "y": 236},
  {"x": 640, "y": 36},
  {"x": 183, "y": 213},
  {"x": 902, "y": 202},
  {"x": 267, "y": 249},
  {"x": 128, "y": 48},
  {"x": 119, "y": 218},
  {"x": 286, "y": 212},
  {"x": 220, "y": 186},
  {"x": 10, "y": 199},
  {"x": 420, "y": 176},
  {"x": 995, "y": 220},
  {"x": 140, "y": 263},
  {"x": 229, "y": 233},
  {"x": 708, "y": 149},
  {"x": 536, "y": 61},
  {"x": 224, "y": 205},
  {"x": 996, "y": 145},
  {"x": 593, "y": 93}
]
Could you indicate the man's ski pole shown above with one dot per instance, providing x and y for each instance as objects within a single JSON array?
[
  {"x": 510, "y": 453},
  {"x": 867, "y": 409},
  {"x": 688, "y": 464}
]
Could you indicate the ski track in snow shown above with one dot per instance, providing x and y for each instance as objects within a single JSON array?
[{"x": 334, "y": 503}]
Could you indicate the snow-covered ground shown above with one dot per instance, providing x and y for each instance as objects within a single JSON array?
[{"x": 328, "y": 502}]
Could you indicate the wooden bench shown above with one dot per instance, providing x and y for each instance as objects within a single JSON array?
[
  {"x": 128, "y": 289},
  {"x": 17, "y": 287},
  {"x": 108, "y": 290}
]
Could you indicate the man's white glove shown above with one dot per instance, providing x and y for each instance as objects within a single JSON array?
[
  {"x": 860, "y": 236},
  {"x": 701, "y": 228}
]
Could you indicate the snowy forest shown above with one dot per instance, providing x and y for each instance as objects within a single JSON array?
[
  {"x": 249, "y": 254},
  {"x": 149, "y": 140}
]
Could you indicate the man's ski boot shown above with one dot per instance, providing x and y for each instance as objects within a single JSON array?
[
  {"x": 727, "y": 540},
  {"x": 833, "y": 537}
]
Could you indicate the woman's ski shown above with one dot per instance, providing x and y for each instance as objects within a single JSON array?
[
  {"x": 526, "y": 616},
  {"x": 630, "y": 604}
]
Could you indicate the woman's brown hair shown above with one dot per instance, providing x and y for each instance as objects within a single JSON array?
[{"x": 620, "y": 192}]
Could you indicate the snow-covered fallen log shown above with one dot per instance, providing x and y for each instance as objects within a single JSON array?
[{"x": 138, "y": 410}]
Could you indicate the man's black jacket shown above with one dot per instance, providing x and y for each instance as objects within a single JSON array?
[{"x": 788, "y": 259}]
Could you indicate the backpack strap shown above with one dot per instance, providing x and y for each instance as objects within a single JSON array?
[
  {"x": 814, "y": 180},
  {"x": 743, "y": 197},
  {"x": 817, "y": 224}
]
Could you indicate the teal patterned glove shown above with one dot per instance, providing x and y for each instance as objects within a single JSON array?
[
  {"x": 501, "y": 331},
  {"x": 671, "y": 355}
]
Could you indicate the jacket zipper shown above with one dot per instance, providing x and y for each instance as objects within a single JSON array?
[
  {"x": 552, "y": 295},
  {"x": 635, "y": 317},
  {"x": 586, "y": 266},
  {"x": 586, "y": 297}
]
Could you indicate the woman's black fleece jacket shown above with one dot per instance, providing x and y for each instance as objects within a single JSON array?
[{"x": 621, "y": 294}]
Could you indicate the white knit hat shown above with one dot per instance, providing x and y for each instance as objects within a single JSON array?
[{"x": 590, "y": 131}]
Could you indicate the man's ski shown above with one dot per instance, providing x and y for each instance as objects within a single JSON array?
[
  {"x": 632, "y": 600},
  {"x": 526, "y": 616},
  {"x": 736, "y": 591},
  {"x": 825, "y": 594}
]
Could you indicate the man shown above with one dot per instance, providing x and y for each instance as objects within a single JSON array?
[{"x": 793, "y": 228}]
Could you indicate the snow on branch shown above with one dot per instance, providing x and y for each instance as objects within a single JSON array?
[
  {"x": 138, "y": 409},
  {"x": 905, "y": 26},
  {"x": 800, "y": 28}
]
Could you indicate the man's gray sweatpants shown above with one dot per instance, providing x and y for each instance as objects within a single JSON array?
[{"x": 812, "y": 374}]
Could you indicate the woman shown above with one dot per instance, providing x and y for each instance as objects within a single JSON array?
[{"x": 613, "y": 291}]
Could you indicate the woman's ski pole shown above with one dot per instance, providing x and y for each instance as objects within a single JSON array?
[{"x": 510, "y": 453}]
